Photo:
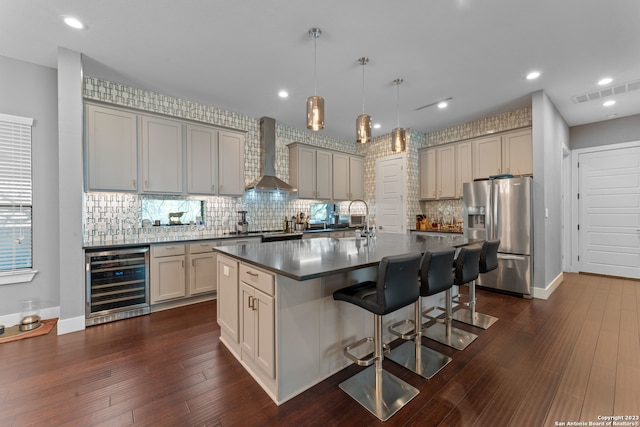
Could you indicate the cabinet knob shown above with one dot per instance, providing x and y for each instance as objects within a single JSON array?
[
  {"x": 213, "y": 188},
  {"x": 134, "y": 182},
  {"x": 146, "y": 184}
]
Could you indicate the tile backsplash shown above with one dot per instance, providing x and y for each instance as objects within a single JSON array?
[{"x": 119, "y": 214}]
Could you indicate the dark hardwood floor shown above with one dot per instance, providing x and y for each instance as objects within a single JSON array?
[{"x": 573, "y": 357}]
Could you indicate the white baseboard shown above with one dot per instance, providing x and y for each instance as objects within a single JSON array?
[
  {"x": 73, "y": 324},
  {"x": 544, "y": 293},
  {"x": 14, "y": 318}
]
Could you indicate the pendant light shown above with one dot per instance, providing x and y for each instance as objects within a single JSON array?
[
  {"x": 399, "y": 135},
  {"x": 363, "y": 122},
  {"x": 315, "y": 103}
]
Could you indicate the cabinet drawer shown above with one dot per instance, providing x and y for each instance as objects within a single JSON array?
[
  {"x": 203, "y": 247},
  {"x": 259, "y": 279},
  {"x": 158, "y": 251}
]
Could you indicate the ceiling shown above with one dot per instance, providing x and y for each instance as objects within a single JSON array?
[{"x": 237, "y": 55}]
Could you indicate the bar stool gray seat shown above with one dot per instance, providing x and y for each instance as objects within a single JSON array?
[
  {"x": 465, "y": 269},
  {"x": 488, "y": 261},
  {"x": 380, "y": 392},
  {"x": 435, "y": 276}
]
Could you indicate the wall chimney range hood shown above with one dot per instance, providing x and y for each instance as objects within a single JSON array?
[{"x": 268, "y": 181}]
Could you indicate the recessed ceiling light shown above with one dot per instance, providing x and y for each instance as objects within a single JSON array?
[
  {"x": 533, "y": 75},
  {"x": 605, "y": 81},
  {"x": 283, "y": 94},
  {"x": 442, "y": 104},
  {"x": 609, "y": 103},
  {"x": 377, "y": 126},
  {"x": 74, "y": 23},
  {"x": 611, "y": 116}
]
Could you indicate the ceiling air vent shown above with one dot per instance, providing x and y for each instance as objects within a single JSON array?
[{"x": 603, "y": 93}]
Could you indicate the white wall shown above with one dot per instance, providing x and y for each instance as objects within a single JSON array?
[
  {"x": 613, "y": 131},
  {"x": 550, "y": 131},
  {"x": 30, "y": 90}
]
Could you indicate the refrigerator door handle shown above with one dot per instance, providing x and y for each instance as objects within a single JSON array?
[
  {"x": 514, "y": 257},
  {"x": 495, "y": 203}
]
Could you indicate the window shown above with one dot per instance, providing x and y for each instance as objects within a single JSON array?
[
  {"x": 15, "y": 199},
  {"x": 182, "y": 211}
]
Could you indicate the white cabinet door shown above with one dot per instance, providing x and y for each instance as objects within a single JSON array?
[
  {"x": 340, "y": 176},
  {"x": 487, "y": 157},
  {"x": 428, "y": 186},
  {"x": 202, "y": 273},
  {"x": 247, "y": 321},
  {"x": 356, "y": 178},
  {"x": 446, "y": 171},
  {"x": 227, "y": 275},
  {"x": 517, "y": 155},
  {"x": 464, "y": 166},
  {"x": 302, "y": 170},
  {"x": 161, "y": 155},
  {"x": 167, "y": 278},
  {"x": 324, "y": 175},
  {"x": 111, "y": 143},
  {"x": 231, "y": 164},
  {"x": 202, "y": 160},
  {"x": 265, "y": 332}
]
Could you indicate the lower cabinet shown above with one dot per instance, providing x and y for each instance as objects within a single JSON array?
[
  {"x": 246, "y": 313},
  {"x": 227, "y": 275},
  {"x": 167, "y": 276}
]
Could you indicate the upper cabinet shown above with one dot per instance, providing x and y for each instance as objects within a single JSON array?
[
  {"x": 215, "y": 161},
  {"x": 444, "y": 169},
  {"x": 211, "y": 159},
  {"x": 111, "y": 149},
  {"x": 310, "y": 171},
  {"x": 487, "y": 156},
  {"x": 437, "y": 173},
  {"x": 507, "y": 153},
  {"x": 517, "y": 153},
  {"x": 231, "y": 163},
  {"x": 161, "y": 155},
  {"x": 348, "y": 177},
  {"x": 464, "y": 166}
]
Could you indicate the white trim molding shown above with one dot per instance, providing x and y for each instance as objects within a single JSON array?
[
  {"x": 73, "y": 324},
  {"x": 544, "y": 293}
]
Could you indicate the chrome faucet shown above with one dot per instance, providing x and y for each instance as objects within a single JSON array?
[{"x": 366, "y": 207}]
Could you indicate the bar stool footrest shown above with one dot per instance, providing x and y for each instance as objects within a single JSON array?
[
  {"x": 383, "y": 402},
  {"x": 363, "y": 362},
  {"x": 405, "y": 336}
]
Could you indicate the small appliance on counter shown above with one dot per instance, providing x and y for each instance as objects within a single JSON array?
[{"x": 242, "y": 227}]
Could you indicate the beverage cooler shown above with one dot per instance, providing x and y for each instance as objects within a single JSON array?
[
  {"x": 117, "y": 284},
  {"x": 502, "y": 209}
]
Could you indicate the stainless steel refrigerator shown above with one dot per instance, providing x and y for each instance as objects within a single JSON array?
[{"x": 502, "y": 209}]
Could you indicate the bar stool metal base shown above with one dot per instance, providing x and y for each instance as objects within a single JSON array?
[
  {"x": 480, "y": 320},
  {"x": 457, "y": 338},
  {"x": 425, "y": 362},
  {"x": 381, "y": 393}
]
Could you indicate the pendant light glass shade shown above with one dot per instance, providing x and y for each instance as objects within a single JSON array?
[
  {"x": 398, "y": 140},
  {"x": 398, "y": 135},
  {"x": 363, "y": 128},
  {"x": 315, "y": 112},
  {"x": 363, "y": 122},
  {"x": 315, "y": 103}
]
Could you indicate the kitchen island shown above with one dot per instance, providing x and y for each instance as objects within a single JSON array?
[{"x": 276, "y": 310}]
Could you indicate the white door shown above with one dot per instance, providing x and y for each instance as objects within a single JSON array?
[
  {"x": 391, "y": 184},
  {"x": 609, "y": 210}
]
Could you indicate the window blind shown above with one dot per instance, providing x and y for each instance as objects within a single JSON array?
[{"x": 15, "y": 193}]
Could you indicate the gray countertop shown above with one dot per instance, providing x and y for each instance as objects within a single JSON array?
[{"x": 312, "y": 258}]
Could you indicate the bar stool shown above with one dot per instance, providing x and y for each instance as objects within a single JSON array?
[
  {"x": 488, "y": 261},
  {"x": 435, "y": 276},
  {"x": 465, "y": 269},
  {"x": 380, "y": 392}
]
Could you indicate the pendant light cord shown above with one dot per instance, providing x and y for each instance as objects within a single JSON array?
[
  {"x": 398, "y": 102},
  {"x": 363, "y": 64},
  {"x": 315, "y": 67}
]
